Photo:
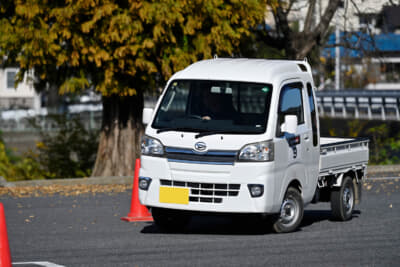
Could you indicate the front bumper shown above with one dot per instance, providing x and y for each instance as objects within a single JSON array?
[{"x": 212, "y": 188}]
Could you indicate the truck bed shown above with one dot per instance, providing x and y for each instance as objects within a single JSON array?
[{"x": 340, "y": 155}]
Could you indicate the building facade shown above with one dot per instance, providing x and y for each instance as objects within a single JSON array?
[
  {"x": 22, "y": 96},
  {"x": 363, "y": 47}
]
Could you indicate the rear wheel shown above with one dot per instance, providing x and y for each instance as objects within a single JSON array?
[
  {"x": 170, "y": 220},
  {"x": 342, "y": 200},
  {"x": 291, "y": 213}
]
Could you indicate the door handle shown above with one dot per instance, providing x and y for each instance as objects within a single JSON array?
[{"x": 306, "y": 137}]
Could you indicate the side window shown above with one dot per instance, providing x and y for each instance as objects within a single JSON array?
[
  {"x": 10, "y": 84},
  {"x": 313, "y": 114},
  {"x": 290, "y": 103}
]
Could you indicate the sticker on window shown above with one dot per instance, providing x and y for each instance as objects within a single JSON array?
[{"x": 216, "y": 89}]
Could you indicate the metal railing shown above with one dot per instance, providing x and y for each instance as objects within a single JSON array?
[
  {"x": 91, "y": 120},
  {"x": 360, "y": 104},
  {"x": 348, "y": 104}
]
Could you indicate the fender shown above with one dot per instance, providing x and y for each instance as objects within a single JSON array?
[{"x": 295, "y": 171}]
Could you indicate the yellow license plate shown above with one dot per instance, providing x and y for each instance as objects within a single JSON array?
[{"x": 174, "y": 195}]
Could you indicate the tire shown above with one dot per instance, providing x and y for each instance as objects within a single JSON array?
[
  {"x": 171, "y": 221},
  {"x": 343, "y": 200},
  {"x": 291, "y": 214}
]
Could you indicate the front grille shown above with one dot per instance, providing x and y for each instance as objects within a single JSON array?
[
  {"x": 205, "y": 192},
  {"x": 210, "y": 157}
]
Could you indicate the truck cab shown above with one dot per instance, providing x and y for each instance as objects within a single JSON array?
[{"x": 241, "y": 136}]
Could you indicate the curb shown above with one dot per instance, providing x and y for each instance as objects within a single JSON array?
[
  {"x": 376, "y": 169},
  {"x": 108, "y": 180}
]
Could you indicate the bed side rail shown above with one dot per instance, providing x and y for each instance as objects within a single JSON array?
[{"x": 345, "y": 145}]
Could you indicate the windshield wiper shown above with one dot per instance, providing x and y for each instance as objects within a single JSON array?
[
  {"x": 212, "y": 133},
  {"x": 184, "y": 129},
  {"x": 201, "y": 133}
]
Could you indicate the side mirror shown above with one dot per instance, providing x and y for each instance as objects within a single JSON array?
[
  {"x": 147, "y": 114},
  {"x": 290, "y": 125}
]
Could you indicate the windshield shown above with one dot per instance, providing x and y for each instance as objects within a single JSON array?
[{"x": 214, "y": 106}]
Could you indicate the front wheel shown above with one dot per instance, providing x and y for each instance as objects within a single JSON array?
[
  {"x": 291, "y": 213},
  {"x": 342, "y": 200}
]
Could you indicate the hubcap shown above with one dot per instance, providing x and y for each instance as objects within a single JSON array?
[
  {"x": 289, "y": 211},
  {"x": 348, "y": 199}
]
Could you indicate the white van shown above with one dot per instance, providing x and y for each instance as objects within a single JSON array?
[{"x": 242, "y": 136}]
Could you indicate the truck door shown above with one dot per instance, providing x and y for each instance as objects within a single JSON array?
[
  {"x": 312, "y": 142},
  {"x": 290, "y": 151}
]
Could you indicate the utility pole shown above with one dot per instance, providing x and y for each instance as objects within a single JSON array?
[
  {"x": 337, "y": 44},
  {"x": 337, "y": 58},
  {"x": 337, "y": 53}
]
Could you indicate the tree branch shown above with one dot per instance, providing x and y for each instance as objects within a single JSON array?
[
  {"x": 304, "y": 46},
  {"x": 281, "y": 22},
  {"x": 309, "y": 18},
  {"x": 290, "y": 6},
  {"x": 323, "y": 26}
]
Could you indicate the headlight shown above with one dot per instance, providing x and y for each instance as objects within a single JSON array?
[
  {"x": 151, "y": 146},
  {"x": 262, "y": 151}
]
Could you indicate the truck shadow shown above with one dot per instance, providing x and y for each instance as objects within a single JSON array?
[
  {"x": 314, "y": 216},
  {"x": 240, "y": 225}
]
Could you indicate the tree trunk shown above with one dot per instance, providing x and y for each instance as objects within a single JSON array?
[{"x": 120, "y": 135}]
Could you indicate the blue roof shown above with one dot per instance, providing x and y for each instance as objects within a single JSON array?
[{"x": 361, "y": 43}]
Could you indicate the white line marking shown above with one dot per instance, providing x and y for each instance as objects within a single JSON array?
[{"x": 39, "y": 263}]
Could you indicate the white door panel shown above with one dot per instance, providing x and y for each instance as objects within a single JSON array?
[{"x": 291, "y": 154}]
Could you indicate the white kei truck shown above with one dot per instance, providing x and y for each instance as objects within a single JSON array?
[{"x": 242, "y": 136}]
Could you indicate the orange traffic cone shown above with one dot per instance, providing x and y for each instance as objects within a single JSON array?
[
  {"x": 138, "y": 212},
  {"x": 5, "y": 256}
]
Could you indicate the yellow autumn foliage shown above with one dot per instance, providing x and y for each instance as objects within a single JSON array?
[{"x": 120, "y": 46}]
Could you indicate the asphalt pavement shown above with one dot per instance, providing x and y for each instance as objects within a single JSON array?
[{"x": 86, "y": 230}]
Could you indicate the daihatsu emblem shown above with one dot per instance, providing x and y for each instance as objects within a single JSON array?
[{"x": 200, "y": 146}]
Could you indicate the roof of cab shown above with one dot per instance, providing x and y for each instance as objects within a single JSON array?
[{"x": 242, "y": 69}]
